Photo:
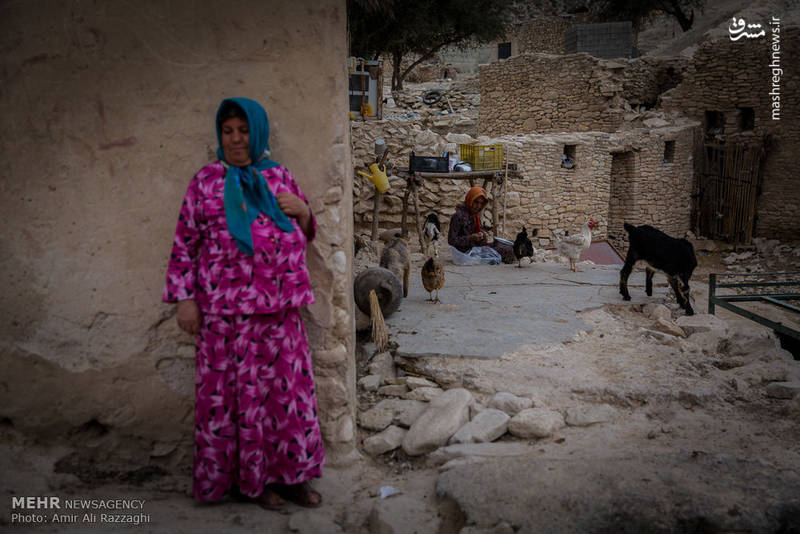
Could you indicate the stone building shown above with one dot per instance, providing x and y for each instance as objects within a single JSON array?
[
  {"x": 575, "y": 92},
  {"x": 642, "y": 175},
  {"x": 108, "y": 112},
  {"x": 626, "y": 161},
  {"x": 733, "y": 88}
]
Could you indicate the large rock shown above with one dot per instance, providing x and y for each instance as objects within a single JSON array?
[
  {"x": 783, "y": 390},
  {"x": 370, "y": 382},
  {"x": 668, "y": 327},
  {"x": 656, "y": 311},
  {"x": 535, "y": 423},
  {"x": 444, "y": 416},
  {"x": 376, "y": 418},
  {"x": 701, "y": 322},
  {"x": 408, "y": 411},
  {"x": 402, "y": 515},
  {"x": 414, "y": 382},
  {"x": 391, "y": 411},
  {"x": 614, "y": 491},
  {"x": 425, "y": 394},
  {"x": 509, "y": 403},
  {"x": 480, "y": 450},
  {"x": 382, "y": 364},
  {"x": 487, "y": 426},
  {"x": 386, "y": 441},
  {"x": 314, "y": 522},
  {"x": 590, "y": 415},
  {"x": 393, "y": 390}
]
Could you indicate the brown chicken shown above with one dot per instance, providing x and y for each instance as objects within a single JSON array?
[{"x": 433, "y": 277}]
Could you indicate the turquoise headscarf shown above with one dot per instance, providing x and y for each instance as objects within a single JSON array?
[{"x": 246, "y": 191}]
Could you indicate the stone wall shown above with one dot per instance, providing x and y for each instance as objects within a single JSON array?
[
  {"x": 108, "y": 114},
  {"x": 546, "y": 195},
  {"x": 728, "y": 75},
  {"x": 542, "y": 34},
  {"x": 572, "y": 93},
  {"x": 547, "y": 93},
  {"x": 646, "y": 186}
]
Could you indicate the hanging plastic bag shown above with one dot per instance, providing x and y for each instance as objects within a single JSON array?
[{"x": 476, "y": 256}]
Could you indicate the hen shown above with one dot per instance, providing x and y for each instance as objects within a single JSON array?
[
  {"x": 572, "y": 246},
  {"x": 523, "y": 248},
  {"x": 432, "y": 277}
]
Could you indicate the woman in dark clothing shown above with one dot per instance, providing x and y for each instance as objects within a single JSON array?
[{"x": 465, "y": 226}]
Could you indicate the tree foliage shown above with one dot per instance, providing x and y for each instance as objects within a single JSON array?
[
  {"x": 640, "y": 11},
  {"x": 423, "y": 27}
]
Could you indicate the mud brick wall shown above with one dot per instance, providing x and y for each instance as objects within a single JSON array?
[{"x": 726, "y": 76}]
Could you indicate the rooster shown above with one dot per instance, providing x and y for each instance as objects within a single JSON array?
[
  {"x": 523, "y": 248},
  {"x": 432, "y": 277},
  {"x": 572, "y": 246},
  {"x": 430, "y": 234}
]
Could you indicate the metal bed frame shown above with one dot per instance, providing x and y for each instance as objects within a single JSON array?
[{"x": 778, "y": 299}]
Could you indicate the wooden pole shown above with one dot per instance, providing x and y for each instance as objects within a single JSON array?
[
  {"x": 416, "y": 211},
  {"x": 404, "y": 231},
  {"x": 494, "y": 208},
  {"x": 375, "y": 211},
  {"x": 505, "y": 187}
]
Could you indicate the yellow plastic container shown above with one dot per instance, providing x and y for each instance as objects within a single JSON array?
[
  {"x": 378, "y": 177},
  {"x": 483, "y": 157}
]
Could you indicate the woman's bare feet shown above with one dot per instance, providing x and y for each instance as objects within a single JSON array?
[
  {"x": 268, "y": 499},
  {"x": 302, "y": 494}
]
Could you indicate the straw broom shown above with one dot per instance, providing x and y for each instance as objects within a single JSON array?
[{"x": 379, "y": 335}]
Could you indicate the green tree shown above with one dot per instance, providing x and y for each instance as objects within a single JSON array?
[{"x": 423, "y": 27}]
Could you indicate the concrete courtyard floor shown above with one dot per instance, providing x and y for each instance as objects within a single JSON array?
[{"x": 486, "y": 311}]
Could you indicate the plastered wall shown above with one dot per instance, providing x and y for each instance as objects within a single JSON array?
[{"x": 107, "y": 112}]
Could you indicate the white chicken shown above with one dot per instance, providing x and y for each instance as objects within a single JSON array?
[{"x": 572, "y": 246}]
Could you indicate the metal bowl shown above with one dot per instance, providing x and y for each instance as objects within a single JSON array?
[{"x": 503, "y": 241}]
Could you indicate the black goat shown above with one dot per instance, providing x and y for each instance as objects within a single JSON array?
[{"x": 674, "y": 257}]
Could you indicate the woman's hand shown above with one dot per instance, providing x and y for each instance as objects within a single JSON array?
[
  {"x": 189, "y": 316},
  {"x": 479, "y": 238},
  {"x": 293, "y": 206}
]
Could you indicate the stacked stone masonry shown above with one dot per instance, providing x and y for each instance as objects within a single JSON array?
[
  {"x": 546, "y": 195},
  {"x": 545, "y": 93},
  {"x": 728, "y": 76}
]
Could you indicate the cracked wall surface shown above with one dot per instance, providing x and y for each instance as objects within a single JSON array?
[{"x": 108, "y": 112}]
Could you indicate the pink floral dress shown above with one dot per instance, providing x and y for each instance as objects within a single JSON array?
[{"x": 256, "y": 417}]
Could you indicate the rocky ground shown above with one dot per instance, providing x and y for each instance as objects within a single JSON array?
[{"x": 650, "y": 422}]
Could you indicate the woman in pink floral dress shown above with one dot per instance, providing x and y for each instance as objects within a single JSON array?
[{"x": 238, "y": 273}]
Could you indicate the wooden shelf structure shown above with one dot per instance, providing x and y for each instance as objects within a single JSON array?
[{"x": 494, "y": 181}]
